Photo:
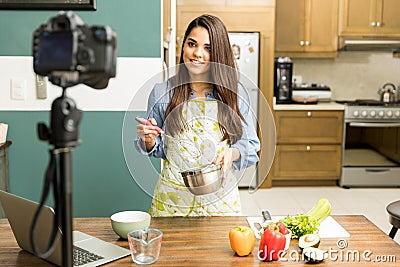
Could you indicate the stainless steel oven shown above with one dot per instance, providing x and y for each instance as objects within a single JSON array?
[{"x": 371, "y": 145}]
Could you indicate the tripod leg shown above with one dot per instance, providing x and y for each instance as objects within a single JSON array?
[{"x": 66, "y": 207}]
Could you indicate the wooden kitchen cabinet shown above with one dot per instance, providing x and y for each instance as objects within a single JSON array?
[
  {"x": 309, "y": 146},
  {"x": 309, "y": 127},
  {"x": 308, "y": 162},
  {"x": 226, "y": 3},
  {"x": 306, "y": 28},
  {"x": 369, "y": 18}
]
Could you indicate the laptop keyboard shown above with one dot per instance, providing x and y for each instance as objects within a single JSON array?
[{"x": 82, "y": 256}]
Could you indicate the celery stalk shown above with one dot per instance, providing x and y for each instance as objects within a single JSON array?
[{"x": 320, "y": 211}]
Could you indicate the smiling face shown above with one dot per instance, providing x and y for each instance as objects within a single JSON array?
[
  {"x": 207, "y": 63},
  {"x": 197, "y": 52}
]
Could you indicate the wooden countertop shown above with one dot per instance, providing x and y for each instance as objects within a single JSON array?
[
  {"x": 204, "y": 241},
  {"x": 318, "y": 106}
]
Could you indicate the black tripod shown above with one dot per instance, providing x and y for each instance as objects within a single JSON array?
[{"x": 63, "y": 135}]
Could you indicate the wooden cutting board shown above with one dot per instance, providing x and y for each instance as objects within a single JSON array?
[{"x": 329, "y": 227}]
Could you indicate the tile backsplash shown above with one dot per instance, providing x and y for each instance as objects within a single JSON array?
[{"x": 352, "y": 75}]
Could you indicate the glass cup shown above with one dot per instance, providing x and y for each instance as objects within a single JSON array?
[{"x": 145, "y": 245}]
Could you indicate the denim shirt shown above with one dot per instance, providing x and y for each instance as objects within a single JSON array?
[{"x": 158, "y": 101}]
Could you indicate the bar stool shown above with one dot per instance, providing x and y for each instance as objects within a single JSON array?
[{"x": 394, "y": 217}]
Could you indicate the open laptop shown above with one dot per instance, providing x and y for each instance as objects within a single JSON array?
[{"x": 20, "y": 213}]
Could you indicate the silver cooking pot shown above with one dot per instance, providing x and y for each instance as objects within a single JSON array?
[{"x": 203, "y": 180}]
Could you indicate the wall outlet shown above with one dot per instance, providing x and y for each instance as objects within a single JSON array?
[{"x": 18, "y": 87}]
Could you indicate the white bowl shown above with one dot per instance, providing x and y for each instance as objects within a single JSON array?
[{"x": 125, "y": 221}]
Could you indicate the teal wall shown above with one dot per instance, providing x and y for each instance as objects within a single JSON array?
[
  {"x": 136, "y": 22},
  {"x": 101, "y": 180},
  {"x": 101, "y": 176}
]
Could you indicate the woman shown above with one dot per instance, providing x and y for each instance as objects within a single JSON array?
[{"x": 206, "y": 108}]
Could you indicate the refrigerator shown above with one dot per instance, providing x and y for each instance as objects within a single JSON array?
[{"x": 246, "y": 49}]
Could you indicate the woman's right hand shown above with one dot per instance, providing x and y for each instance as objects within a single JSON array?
[{"x": 148, "y": 133}]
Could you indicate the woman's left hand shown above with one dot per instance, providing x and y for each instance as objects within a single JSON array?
[{"x": 227, "y": 157}]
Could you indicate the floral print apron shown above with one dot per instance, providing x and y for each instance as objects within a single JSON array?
[{"x": 201, "y": 143}]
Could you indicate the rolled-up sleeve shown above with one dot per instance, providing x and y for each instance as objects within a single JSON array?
[{"x": 155, "y": 109}]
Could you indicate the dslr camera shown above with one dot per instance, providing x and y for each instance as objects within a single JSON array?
[{"x": 70, "y": 53}]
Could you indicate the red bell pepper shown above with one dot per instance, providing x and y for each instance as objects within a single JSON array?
[
  {"x": 282, "y": 228},
  {"x": 272, "y": 244}
]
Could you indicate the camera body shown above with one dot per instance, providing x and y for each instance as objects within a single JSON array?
[{"x": 69, "y": 52}]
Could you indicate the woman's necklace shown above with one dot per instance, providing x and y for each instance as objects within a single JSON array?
[{"x": 201, "y": 92}]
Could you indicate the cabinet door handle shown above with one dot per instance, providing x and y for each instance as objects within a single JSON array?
[
  {"x": 309, "y": 114},
  {"x": 302, "y": 43},
  {"x": 373, "y": 24},
  {"x": 308, "y": 148}
]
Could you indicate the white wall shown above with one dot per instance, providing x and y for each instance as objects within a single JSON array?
[
  {"x": 132, "y": 75},
  {"x": 352, "y": 75}
]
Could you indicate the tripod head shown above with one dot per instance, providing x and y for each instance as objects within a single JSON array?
[{"x": 64, "y": 123}]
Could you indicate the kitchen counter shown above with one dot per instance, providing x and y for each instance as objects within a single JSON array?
[
  {"x": 318, "y": 106},
  {"x": 204, "y": 241}
]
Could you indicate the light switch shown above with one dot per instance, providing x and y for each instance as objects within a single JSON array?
[
  {"x": 18, "y": 87},
  {"x": 41, "y": 87}
]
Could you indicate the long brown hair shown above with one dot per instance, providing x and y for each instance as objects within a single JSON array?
[{"x": 224, "y": 78}]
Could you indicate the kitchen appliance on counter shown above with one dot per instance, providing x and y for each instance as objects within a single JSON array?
[
  {"x": 283, "y": 80},
  {"x": 246, "y": 49},
  {"x": 371, "y": 144},
  {"x": 319, "y": 92}
]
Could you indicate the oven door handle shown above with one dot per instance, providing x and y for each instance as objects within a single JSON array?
[
  {"x": 374, "y": 124},
  {"x": 377, "y": 170}
]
